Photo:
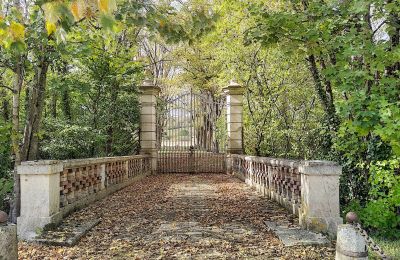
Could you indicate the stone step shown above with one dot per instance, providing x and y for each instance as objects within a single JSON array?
[
  {"x": 67, "y": 234},
  {"x": 294, "y": 236}
]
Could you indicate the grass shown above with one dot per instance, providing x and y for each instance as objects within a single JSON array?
[{"x": 390, "y": 247}]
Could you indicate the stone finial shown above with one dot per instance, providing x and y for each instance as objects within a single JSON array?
[
  {"x": 351, "y": 217},
  {"x": 3, "y": 218}
]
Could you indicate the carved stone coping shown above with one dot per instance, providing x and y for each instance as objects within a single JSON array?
[
  {"x": 304, "y": 166},
  {"x": 82, "y": 162}
]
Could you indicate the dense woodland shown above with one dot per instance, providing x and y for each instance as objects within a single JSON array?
[{"x": 321, "y": 81}]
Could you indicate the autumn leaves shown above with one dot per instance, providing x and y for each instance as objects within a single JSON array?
[{"x": 59, "y": 16}]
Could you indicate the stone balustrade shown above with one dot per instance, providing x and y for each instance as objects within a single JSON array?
[
  {"x": 50, "y": 190},
  {"x": 309, "y": 189}
]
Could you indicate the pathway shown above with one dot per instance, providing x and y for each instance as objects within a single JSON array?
[{"x": 181, "y": 217}]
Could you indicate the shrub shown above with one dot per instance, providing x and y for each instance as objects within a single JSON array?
[
  {"x": 6, "y": 188},
  {"x": 68, "y": 141},
  {"x": 381, "y": 213}
]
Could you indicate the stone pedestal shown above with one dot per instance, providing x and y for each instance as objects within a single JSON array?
[
  {"x": 8, "y": 242},
  {"x": 234, "y": 98},
  {"x": 40, "y": 196},
  {"x": 319, "y": 210},
  {"x": 350, "y": 245},
  {"x": 148, "y": 122}
]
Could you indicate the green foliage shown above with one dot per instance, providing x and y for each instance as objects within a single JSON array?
[
  {"x": 378, "y": 216},
  {"x": 352, "y": 49},
  {"x": 282, "y": 116},
  {"x": 190, "y": 25},
  {"x": 94, "y": 107},
  {"x": 65, "y": 141},
  {"x": 380, "y": 212},
  {"x": 6, "y": 183},
  {"x": 6, "y": 187},
  {"x": 5, "y": 145},
  {"x": 91, "y": 79},
  {"x": 391, "y": 247}
]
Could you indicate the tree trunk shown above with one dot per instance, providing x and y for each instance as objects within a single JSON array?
[
  {"x": 54, "y": 105},
  {"x": 66, "y": 105},
  {"x": 394, "y": 21},
  {"x": 112, "y": 121},
  {"x": 34, "y": 113},
  {"x": 324, "y": 93},
  {"x": 260, "y": 138},
  {"x": 18, "y": 82}
]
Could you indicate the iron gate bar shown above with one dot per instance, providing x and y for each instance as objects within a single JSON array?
[{"x": 189, "y": 141}]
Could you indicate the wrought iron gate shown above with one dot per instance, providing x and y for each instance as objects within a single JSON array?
[{"x": 192, "y": 134}]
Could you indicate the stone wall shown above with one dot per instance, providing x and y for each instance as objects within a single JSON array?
[
  {"x": 50, "y": 190},
  {"x": 308, "y": 189}
]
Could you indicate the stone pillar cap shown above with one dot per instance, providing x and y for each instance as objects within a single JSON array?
[
  {"x": 320, "y": 168},
  {"x": 148, "y": 84},
  {"x": 234, "y": 87},
  {"x": 320, "y": 162},
  {"x": 233, "y": 83}
]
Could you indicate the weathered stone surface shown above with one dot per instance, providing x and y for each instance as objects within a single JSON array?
[
  {"x": 350, "y": 245},
  {"x": 40, "y": 196},
  {"x": 234, "y": 99},
  {"x": 8, "y": 242},
  {"x": 319, "y": 209},
  {"x": 3, "y": 217},
  {"x": 40, "y": 191},
  {"x": 294, "y": 236},
  {"x": 148, "y": 101}
]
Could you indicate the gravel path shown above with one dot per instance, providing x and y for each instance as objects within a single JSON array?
[{"x": 181, "y": 217}]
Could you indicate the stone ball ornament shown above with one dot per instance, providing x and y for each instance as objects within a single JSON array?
[
  {"x": 3, "y": 217},
  {"x": 351, "y": 217}
]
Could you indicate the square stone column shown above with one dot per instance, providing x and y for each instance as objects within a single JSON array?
[
  {"x": 234, "y": 100},
  {"x": 40, "y": 196},
  {"x": 148, "y": 122},
  {"x": 319, "y": 210}
]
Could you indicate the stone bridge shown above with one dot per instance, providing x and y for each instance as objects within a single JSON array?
[{"x": 197, "y": 200}]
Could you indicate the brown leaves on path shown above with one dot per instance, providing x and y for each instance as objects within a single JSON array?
[{"x": 181, "y": 217}]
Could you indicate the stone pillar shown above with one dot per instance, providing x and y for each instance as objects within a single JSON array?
[
  {"x": 40, "y": 196},
  {"x": 126, "y": 175},
  {"x": 350, "y": 245},
  {"x": 234, "y": 100},
  {"x": 103, "y": 183},
  {"x": 8, "y": 239},
  {"x": 270, "y": 180},
  {"x": 319, "y": 210},
  {"x": 148, "y": 122}
]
